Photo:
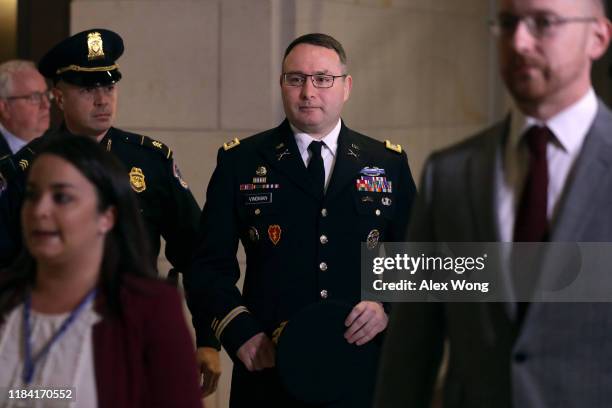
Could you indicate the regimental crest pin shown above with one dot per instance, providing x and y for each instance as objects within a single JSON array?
[
  {"x": 386, "y": 201},
  {"x": 274, "y": 233},
  {"x": 261, "y": 171},
  {"x": 372, "y": 239},
  {"x": 137, "y": 180},
  {"x": 253, "y": 234},
  {"x": 95, "y": 46}
]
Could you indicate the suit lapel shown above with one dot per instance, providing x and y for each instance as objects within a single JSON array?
[
  {"x": 350, "y": 159},
  {"x": 481, "y": 184},
  {"x": 582, "y": 191},
  {"x": 281, "y": 152}
]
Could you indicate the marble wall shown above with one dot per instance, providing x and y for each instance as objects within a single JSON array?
[{"x": 200, "y": 72}]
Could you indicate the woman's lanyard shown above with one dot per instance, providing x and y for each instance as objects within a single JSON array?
[{"x": 30, "y": 361}]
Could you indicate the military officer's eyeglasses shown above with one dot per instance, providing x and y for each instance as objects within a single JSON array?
[
  {"x": 35, "y": 98},
  {"x": 318, "y": 80},
  {"x": 538, "y": 25}
]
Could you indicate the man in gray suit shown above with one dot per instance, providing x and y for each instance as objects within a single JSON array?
[{"x": 542, "y": 174}]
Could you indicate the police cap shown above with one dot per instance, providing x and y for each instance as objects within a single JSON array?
[{"x": 85, "y": 59}]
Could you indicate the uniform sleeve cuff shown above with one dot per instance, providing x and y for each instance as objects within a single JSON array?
[{"x": 238, "y": 331}]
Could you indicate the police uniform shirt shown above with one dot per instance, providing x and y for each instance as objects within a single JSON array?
[{"x": 328, "y": 152}]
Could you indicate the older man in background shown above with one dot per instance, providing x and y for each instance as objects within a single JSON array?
[{"x": 24, "y": 105}]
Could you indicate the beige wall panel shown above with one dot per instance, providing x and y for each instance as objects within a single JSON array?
[
  {"x": 170, "y": 70},
  {"x": 464, "y": 7},
  {"x": 418, "y": 69},
  {"x": 246, "y": 65}
]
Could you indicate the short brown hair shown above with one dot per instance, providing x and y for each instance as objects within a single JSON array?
[{"x": 320, "y": 40}]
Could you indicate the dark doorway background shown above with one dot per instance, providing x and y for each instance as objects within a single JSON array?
[{"x": 40, "y": 25}]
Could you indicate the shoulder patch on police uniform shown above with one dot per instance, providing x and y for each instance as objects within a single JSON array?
[
  {"x": 231, "y": 144},
  {"x": 394, "y": 147},
  {"x": 150, "y": 143},
  {"x": 179, "y": 176}
]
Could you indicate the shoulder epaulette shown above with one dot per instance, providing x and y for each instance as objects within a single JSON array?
[
  {"x": 394, "y": 147},
  {"x": 231, "y": 144},
  {"x": 152, "y": 144}
]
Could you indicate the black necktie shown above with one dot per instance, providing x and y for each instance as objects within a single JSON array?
[{"x": 315, "y": 166}]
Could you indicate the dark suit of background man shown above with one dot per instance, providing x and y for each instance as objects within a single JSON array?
[
  {"x": 24, "y": 105},
  {"x": 24, "y": 116},
  {"x": 300, "y": 212},
  {"x": 541, "y": 174},
  {"x": 85, "y": 77}
]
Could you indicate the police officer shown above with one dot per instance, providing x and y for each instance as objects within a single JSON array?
[
  {"x": 301, "y": 198},
  {"x": 85, "y": 77}
]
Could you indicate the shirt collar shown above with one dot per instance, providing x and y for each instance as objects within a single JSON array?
[
  {"x": 15, "y": 143},
  {"x": 330, "y": 140},
  {"x": 570, "y": 126}
]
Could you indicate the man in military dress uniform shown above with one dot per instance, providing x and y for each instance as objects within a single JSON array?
[
  {"x": 85, "y": 75},
  {"x": 301, "y": 198}
]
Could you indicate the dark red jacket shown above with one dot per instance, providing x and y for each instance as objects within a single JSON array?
[{"x": 146, "y": 357}]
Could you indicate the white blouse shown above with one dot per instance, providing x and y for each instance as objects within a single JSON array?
[{"x": 68, "y": 364}]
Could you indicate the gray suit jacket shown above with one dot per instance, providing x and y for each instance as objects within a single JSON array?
[{"x": 561, "y": 356}]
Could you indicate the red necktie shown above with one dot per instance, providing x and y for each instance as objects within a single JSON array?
[{"x": 531, "y": 224}]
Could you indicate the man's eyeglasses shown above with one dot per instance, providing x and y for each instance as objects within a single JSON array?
[
  {"x": 538, "y": 25},
  {"x": 35, "y": 98},
  {"x": 318, "y": 80}
]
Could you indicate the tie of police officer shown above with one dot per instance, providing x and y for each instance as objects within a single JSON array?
[{"x": 316, "y": 169}]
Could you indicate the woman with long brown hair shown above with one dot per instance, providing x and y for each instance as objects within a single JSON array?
[{"x": 82, "y": 308}]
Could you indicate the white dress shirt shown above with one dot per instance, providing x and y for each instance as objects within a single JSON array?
[
  {"x": 15, "y": 143},
  {"x": 569, "y": 128},
  {"x": 69, "y": 363},
  {"x": 328, "y": 150}
]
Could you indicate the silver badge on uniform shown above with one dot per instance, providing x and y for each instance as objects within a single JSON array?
[
  {"x": 373, "y": 238},
  {"x": 386, "y": 201},
  {"x": 261, "y": 171}
]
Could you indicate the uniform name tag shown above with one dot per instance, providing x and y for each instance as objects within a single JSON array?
[{"x": 252, "y": 199}]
